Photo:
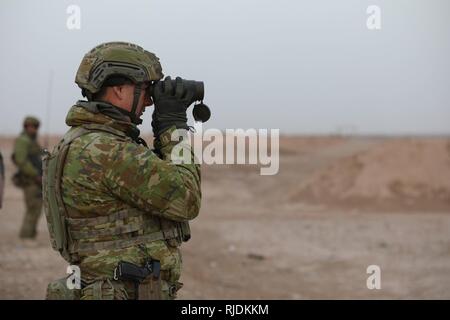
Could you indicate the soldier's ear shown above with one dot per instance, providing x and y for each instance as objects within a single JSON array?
[
  {"x": 118, "y": 92},
  {"x": 122, "y": 92}
]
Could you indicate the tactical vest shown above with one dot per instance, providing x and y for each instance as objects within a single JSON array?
[
  {"x": 75, "y": 236},
  {"x": 21, "y": 180}
]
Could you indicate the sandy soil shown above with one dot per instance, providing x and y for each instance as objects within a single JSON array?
[{"x": 338, "y": 205}]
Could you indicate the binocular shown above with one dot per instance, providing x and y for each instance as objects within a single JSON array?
[{"x": 196, "y": 89}]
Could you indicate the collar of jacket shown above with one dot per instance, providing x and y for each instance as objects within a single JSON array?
[
  {"x": 86, "y": 112},
  {"x": 32, "y": 138}
]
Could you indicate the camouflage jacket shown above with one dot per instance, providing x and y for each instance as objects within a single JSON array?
[
  {"x": 105, "y": 173},
  {"x": 27, "y": 156}
]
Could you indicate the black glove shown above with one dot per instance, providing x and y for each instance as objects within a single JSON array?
[{"x": 171, "y": 102}]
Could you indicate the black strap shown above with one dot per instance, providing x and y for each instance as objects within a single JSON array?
[{"x": 137, "y": 93}]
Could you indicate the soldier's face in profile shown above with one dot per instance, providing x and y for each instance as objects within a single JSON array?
[
  {"x": 128, "y": 97},
  {"x": 32, "y": 130},
  {"x": 144, "y": 100}
]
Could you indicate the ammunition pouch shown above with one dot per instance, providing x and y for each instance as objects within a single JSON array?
[
  {"x": 104, "y": 289},
  {"x": 58, "y": 290},
  {"x": 182, "y": 229}
]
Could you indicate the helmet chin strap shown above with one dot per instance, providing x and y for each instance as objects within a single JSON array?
[
  {"x": 132, "y": 114},
  {"x": 137, "y": 93}
]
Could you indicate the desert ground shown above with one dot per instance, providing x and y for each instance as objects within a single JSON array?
[{"x": 337, "y": 205}]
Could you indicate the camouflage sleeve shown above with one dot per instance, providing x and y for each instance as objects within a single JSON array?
[
  {"x": 21, "y": 157},
  {"x": 141, "y": 178}
]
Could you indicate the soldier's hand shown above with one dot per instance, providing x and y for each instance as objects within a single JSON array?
[
  {"x": 171, "y": 102},
  {"x": 171, "y": 96}
]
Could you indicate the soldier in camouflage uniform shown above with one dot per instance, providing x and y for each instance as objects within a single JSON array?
[
  {"x": 27, "y": 157},
  {"x": 120, "y": 200}
]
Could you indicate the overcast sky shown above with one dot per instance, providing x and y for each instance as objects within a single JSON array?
[{"x": 300, "y": 66}]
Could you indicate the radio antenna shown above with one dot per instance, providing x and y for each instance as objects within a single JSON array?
[{"x": 48, "y": 108}]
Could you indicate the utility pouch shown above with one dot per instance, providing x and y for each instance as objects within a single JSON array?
[
  {"x": 58, "y": 290},
  {"x": 182, "y": 228}
]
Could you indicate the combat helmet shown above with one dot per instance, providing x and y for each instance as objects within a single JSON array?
[
  {"x": 31, "y": 121},
  {"x": 114, "y": 59}
]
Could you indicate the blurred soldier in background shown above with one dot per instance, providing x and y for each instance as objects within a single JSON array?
[
  {"x": 125, "y": 207},
  {"x": 27, "y": 158},
  {"x": 2, "y": 179}
]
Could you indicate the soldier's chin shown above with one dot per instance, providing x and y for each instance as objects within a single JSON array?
[{"x": 140, "y": 116}]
